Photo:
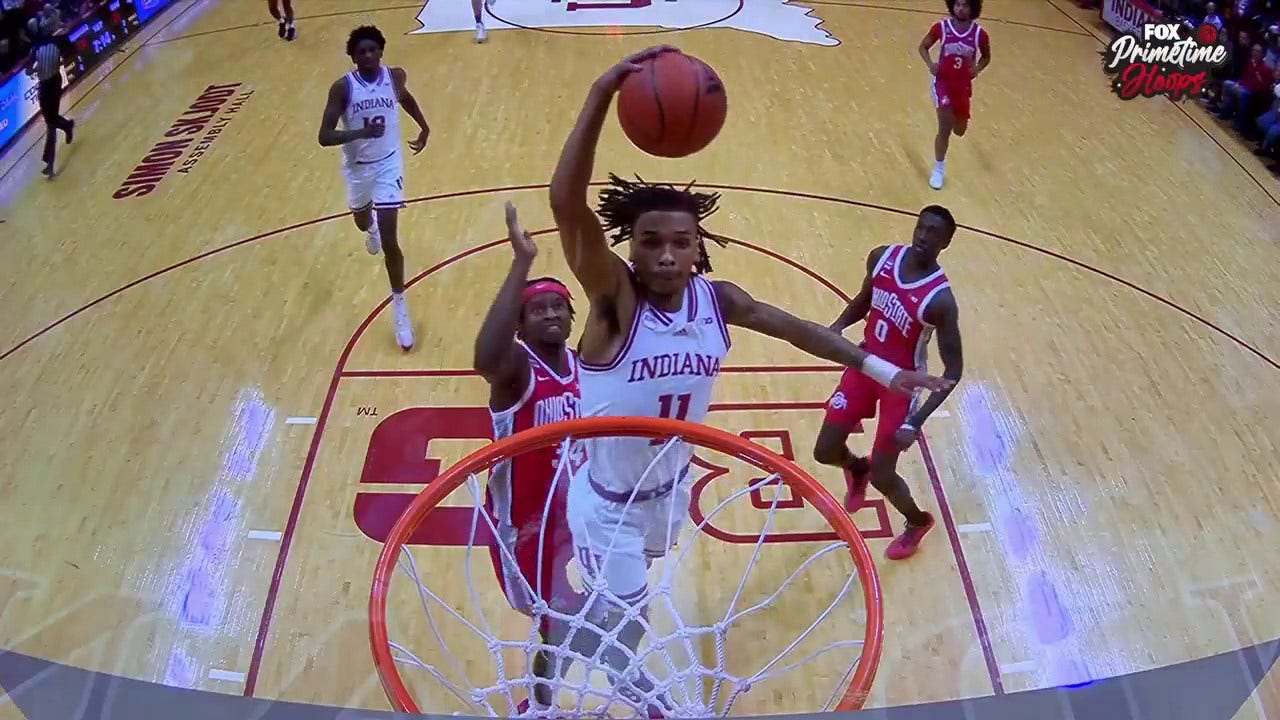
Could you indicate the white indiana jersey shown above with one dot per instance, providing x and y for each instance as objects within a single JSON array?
[
  {"x": 372, "y": 103},
  {"x": 666, "y": 368}
]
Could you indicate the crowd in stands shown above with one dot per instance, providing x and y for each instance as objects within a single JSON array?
[
  {"x": 1246, "y": 92},
  {"x": 17, "y": 29}
]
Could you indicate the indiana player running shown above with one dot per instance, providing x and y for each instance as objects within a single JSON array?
[
  {"x": 966, "y": 51},
  {"x": 904, "y": 297},
  {"x": 477, "y": 7},
  {"x": 655, "y": 338},
  {"x": 367, "y": 101},
  {"x": 533, "y": 380}
]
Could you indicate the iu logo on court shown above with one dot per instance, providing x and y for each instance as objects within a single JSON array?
[{"x": 779, "y": 19}]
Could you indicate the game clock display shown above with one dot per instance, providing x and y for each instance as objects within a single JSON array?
[{"x": 99, "y": 36}]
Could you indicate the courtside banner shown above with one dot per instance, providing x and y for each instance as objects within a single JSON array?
[
  {"x": 19, "y": 102},
  {"x": 1128, "y": 16}
]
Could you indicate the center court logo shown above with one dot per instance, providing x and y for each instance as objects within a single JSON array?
[
  {"x": 779, "y": 19},
  {"x": 1164, "y": 59}
]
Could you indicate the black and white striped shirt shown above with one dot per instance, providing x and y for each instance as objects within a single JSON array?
[{"x": 48, "y": 58}]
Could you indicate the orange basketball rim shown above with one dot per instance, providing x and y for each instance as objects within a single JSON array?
[{"x": 863, "y": 673}]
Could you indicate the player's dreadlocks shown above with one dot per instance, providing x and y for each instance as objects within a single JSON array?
[{"x": 623, "y": 201}]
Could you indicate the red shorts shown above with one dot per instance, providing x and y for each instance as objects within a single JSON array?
[
  {"x": 855, "y": 400},
  {"x": 952, "y": 94},
  {"x": 550, "y": 581}
]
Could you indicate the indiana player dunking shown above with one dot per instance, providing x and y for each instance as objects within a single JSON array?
[
  {"x": 533, "y": 380},
  {"x": 905, "y": 296},
  {"x": 655, "y": 339},
  {"x": 367, "y": 101},
  {"x": 966, "y": 51}
]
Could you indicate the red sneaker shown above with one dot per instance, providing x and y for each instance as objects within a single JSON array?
[
  {"x": 906, "y": 544},
  {"x": 858, "y": 477}
]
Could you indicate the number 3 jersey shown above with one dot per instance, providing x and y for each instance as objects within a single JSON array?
[
  {"x": 666, "y": 367},
  {"x": 371, "y": 103},
  {"x": 895, "y": 329}
]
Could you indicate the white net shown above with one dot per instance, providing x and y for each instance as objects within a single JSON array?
[{"x": 731, "y": 612}]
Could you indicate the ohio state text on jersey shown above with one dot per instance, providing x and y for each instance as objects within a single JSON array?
[
  {"x": 520, "y": 487},
  {"x": 895, "y": 329}
]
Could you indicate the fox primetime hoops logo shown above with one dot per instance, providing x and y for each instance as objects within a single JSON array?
[
  {"x": 1164, "y": 58},
  {"x": 788, "y": 20}
]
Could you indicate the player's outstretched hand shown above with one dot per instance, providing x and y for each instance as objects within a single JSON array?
[
  {"x": 907, "y": 382},
  {"x": 521, "y": 242},
  {"x": 613, "y": 77}
]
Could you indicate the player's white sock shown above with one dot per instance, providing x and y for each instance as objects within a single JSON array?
[
  {"x": 400, "y": 314},
  {"x": 480, "y": 33},
  {"x": 939, "y": 175},
  {"x": 373, "y": 237}
]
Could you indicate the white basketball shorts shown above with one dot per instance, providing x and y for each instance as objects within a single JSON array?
[
  {"x": 615, "y": 542},
  {"x": 379, "y": 183}
]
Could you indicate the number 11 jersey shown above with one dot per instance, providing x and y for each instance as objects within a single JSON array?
[
  {"x": 372, "y": 103},
  {"x": 666, "y": 367}
]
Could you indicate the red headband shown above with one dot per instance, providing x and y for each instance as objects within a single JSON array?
[{"x": 544, "y": 286}]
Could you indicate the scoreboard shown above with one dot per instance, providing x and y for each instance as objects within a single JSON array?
[{"x": 98, "y": 36}]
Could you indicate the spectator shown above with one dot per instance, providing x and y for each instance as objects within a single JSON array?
[
  {"x": 1239, "y": 96},
  {"x": 1269, "y": 125},
  {"x": 1211, "y": 16},
  {"x": 1239, "y": 60},
  {"x": 1272, "y": 42}
]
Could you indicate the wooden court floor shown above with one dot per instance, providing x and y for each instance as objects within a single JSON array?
[{"x": 190, "y": 380}]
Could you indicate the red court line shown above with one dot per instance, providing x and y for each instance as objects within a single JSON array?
[
  {"x": 785, "y": 405},
  {"x": 732, "y": 369},
  {"x": 962, "y": 567}
]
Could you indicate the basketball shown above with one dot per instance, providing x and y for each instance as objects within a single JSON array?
[{"x": 674, "y": 107}]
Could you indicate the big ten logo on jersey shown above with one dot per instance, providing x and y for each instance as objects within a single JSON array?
[
  {"x": 780, "y": 19},
  {"x": 413, "y": 446}
]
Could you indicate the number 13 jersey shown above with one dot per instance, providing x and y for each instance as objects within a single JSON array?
[
  {"x": 666, "y": 367},
  {"x": 895, "y": 329},
  {"x": 371, "y": 103}
]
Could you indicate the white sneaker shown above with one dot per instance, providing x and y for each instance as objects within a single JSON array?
[
  {"x": 373, "y": 237},
  {"x": 480, "y": 33},
  {"x": 404, "y": 327},
  {"x": 939, "y": 175}
]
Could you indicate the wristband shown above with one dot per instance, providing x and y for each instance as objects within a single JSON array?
[{"x": 880, "y": 370}]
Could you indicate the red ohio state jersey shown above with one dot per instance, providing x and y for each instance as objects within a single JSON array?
[
  {"x": 895, "y": 329},
  {"x": 960, "y": 50},
  {"x": 519, "y": 487}
]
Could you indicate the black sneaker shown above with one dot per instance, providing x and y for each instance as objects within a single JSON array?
[
  {"x": 280, "y": 30},
  {"x": 290, "y": 33}
]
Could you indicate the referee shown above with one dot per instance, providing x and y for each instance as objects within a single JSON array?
[{"x": 47, "y": 61}]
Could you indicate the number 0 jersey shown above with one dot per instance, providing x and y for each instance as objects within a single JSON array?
[
  {"x": 895, "y": 328},
  {"x": 666, "y": 368},
  {"x": 371, "y": 103}
]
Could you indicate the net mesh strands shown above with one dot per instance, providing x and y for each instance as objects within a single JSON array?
[{"x": 692, "y": 661}]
